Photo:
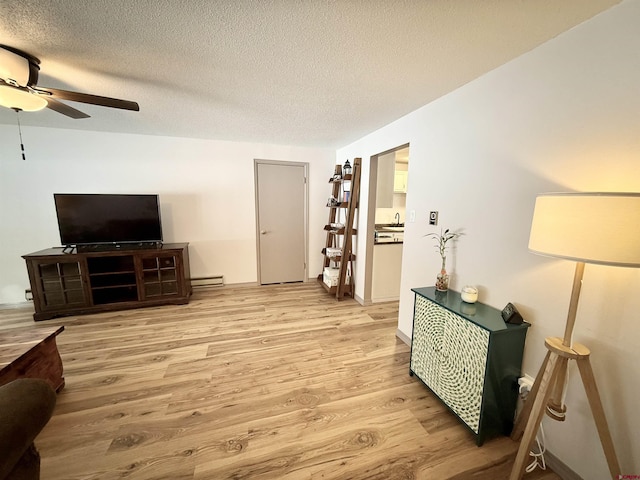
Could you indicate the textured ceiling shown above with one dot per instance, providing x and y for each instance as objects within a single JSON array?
[{"x": 296, "y": 72}]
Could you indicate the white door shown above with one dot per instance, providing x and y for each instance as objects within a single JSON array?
[{"x": 281, "y": 221}]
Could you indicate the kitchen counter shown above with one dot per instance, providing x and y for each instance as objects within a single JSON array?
[
  {"x": 390, "y": 233},
  {"x": 390, "y": 227}
]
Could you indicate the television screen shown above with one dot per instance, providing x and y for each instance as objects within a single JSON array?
[{"x": 107, "y": 218}]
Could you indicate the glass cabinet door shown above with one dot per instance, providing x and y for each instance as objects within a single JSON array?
[
  {"x": 61, "y": 284},
  {"x": 160, "y": 275}
]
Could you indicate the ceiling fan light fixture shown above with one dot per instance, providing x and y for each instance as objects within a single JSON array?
[
  {"x": 14, "y": 67},
  {"x": 19, "y": 88},
  {"x": 12, "y": 97}
]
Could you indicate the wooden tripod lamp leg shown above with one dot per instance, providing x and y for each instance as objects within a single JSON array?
[
  {"x": 537, "y": 412},
  {"x": 554, "y": 365},
  {"x": 589, "y": 382}
]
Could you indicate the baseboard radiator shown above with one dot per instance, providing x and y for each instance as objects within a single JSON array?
[{"x": 212, "y": 281}]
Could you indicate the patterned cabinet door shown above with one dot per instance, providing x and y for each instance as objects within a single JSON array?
[
  {"x": 426, "y": 350},
  {"x": 462, "y": 372}
]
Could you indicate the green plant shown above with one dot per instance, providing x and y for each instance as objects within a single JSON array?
[{"x": 441, "y": 242}]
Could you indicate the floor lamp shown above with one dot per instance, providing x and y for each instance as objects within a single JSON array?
[{"x": 601, "y": 228}]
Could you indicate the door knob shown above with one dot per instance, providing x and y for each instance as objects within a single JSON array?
[{"x": 263, "y": 232}]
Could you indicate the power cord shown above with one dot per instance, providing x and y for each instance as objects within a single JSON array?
[{"x": 538, "y": 457}]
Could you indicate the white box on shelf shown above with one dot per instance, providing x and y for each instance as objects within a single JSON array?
[
  {"x": 329, "y": 281},
  {"x": 330, "y": 277},
  {"x": 333, "y": 252}
]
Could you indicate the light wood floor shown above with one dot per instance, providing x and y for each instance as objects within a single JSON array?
[{"x": 278, "y": 382}]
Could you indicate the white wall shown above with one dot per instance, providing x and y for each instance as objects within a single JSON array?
[
  {"x": 563, "y": 117},
  {"x": 206, "y": 193}
]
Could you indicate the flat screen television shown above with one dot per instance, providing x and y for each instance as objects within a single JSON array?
[{"x": 95, "y": 219}]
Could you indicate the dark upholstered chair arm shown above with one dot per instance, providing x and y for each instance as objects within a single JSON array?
[{"x": 26, "y": 406}]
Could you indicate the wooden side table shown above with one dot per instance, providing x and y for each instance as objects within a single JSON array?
[{"x": 31, "y": 352}]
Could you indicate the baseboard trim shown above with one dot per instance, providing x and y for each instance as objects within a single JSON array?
[
  {"x": 560, "y": 468},
  {"x": 385, "y": 299},
  {"x": 403, "y": 337},
  {"x": 243, "y": 284},
  {"x": 361, "y": 301}
]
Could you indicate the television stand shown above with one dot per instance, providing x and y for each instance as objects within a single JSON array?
[{"x": 91, "y": 281}]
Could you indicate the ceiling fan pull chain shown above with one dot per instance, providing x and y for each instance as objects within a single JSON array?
[{"x": 20, "y": 132}]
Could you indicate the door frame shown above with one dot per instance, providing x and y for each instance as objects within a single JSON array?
[
  {"x": 371, "y": 222},
  {"x": 305, "y": 165}
]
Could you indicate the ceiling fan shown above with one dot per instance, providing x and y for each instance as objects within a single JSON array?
[{"x": 19, "y": 88}]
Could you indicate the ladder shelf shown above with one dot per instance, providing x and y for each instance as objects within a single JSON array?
[{"x": 339, "y": 243}]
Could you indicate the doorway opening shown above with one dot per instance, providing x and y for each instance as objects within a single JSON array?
[{"x": 386, "y": 218}]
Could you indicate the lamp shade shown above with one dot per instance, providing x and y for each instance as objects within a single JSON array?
[{"x": 601, "y": 228}]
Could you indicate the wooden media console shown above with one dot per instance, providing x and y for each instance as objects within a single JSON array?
[{"x": 71, "y": 282}]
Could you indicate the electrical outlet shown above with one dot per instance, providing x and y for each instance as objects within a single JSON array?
[
  {"x": 28, "y": 295},
  {"x": 412, "y": 216},
  {"x": 525, "y": 385},
  {"x": 433, "y": 218}
]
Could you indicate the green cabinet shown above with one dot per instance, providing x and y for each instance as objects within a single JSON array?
[{"x": 468, "y": 357}]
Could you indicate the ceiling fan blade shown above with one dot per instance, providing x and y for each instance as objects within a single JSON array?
[
  {"x": 91, "y": 99},
  {"x": 64, "y": 109}
]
